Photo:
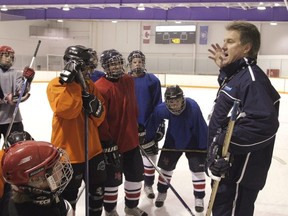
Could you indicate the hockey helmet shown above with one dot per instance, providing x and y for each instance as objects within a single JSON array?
[
  {"x": 112, "y": 62},
  {"x": 6, "y": 51},
  {"x": 25, "y": 160},
  {"x": 18, "y": 136},
  {"x": 137, "y": 67},
  {"x": 94, "y": 62},
  {"x": 174, "y": 99}
]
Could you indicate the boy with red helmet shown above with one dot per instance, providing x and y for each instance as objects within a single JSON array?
[{"x": 38, "y": 173}]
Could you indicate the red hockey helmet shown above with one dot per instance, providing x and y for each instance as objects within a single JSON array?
[
  {"x": 28, "y": 159},
  {"x": 7, "y": 51}
]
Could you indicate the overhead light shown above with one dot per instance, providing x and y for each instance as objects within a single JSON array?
[
  {"x": 60, "y": 20},
  {"x": 261, "y": 6},
  {"x": 4, "y": 8},
  {"x": 141, "y": 7},
  {"x": 114, "y": 21},
  {"x": 66, "y": 8},
  {"x": 274, "y": 23},
  {"x": 178, "y": 22}
]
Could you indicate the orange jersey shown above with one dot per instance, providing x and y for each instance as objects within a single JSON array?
[
  {"x": 68, "y": 125},
  {"x": 2, "y": 182}
]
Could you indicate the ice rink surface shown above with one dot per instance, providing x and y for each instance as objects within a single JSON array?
[{"x": 272, "y": 200}]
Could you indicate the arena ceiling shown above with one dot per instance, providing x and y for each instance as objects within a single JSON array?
[{"x": 168, "y": 10}]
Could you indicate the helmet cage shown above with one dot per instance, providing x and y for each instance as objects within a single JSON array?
[
  {"x": 60, "y": 175},
  {"x": 112, "y": 62},
  {"x": 176, "y": 105},
  {"x": 174, "y": 100},
  {"x": 41, "y": 160},
  {"x": 6, "y": 51}
]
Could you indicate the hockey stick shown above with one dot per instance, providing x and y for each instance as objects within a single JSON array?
[
  {"x": 225, "y": 148},
  {"x": 167, "y": 182},
  {"x": 86, "y": 140},
  {"x": 23, "y": 88},
  {"x": 183, "y": 150}
]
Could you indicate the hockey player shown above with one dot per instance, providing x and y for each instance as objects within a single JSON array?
[
  {"x": 148, "y": 93},
  {"x": 70, "y": 104},
  {"x": 186, "y": 131},
  {"x": 96, "y": 74},
  {"x": 11, "y": 82},
  {"x": 120, "y": 128},
  {"x": 5, "y": 188},
  {"x": 253, "y": 137},
  {"x": 38, "y": 172}
]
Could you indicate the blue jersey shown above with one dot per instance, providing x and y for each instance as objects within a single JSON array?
[
  {"x": 148, "y": 94},
  {"x": 95, "y": 75},
  {"x": 185, "y": 131}
]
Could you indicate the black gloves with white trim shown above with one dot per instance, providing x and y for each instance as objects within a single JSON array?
[
  {"x": 111, "y": 153},
  {"x": 216, "y": 165},
  {"x": 69, "y": 73},
  {"x": 151, "y": 148},
  {"x": 91, "y": 104}
]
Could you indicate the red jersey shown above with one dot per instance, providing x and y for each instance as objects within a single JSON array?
[{"x": 120, "y": 124}]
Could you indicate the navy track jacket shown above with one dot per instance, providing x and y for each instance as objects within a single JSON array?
[{"x": 254, "y": 132}]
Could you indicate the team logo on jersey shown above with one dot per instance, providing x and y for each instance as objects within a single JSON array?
[
  {"x": 227, "y": 88},
  {"x": 118, "y": 176}
]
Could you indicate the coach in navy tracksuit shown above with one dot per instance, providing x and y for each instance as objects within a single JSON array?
[{"x": 253, "y": 137}]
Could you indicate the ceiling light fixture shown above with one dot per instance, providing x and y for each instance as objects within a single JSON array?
[
  {"x": 114, "y": 21},
  {"x": 273, "y": 23},
  {"x": 4, "y": 8},
  {"x": 141, "y": 7},
  {"x": 261, "y": 6},
  {"x": 66, "y": 8}
]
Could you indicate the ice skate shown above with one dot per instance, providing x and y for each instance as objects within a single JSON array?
[
  {"x": 160, "y": 199},
  {"x": 112, "y": 213},
  {"x": 199, "y": 205},
  {"x": 149, "y": 192},
  {"x": 134, "y": 211}
]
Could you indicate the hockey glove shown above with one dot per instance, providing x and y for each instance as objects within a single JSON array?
[
  {"x": 24, "y": 97},
  {"x": 70, "y": 71},
  {"x": 151, "y": 148},
  {"x": 160, "y": 132},
  {"x": 111, "y": 153},
  {"x": 29, "y": 74},
  {"x": 91, "y": 104},
  {"x": 141, "y": 134},
  {"x": 216, "y": 165}
]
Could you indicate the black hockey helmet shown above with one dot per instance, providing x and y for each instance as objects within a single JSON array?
[
  {"x": 18, "y": 136},
  {"x": 112, "y": 58},
  {"x": 79, "y": 53},
  {"x": 139, "y": 68},
  {"x": 174, "y": 99},
  {"x": 136, "y": 54}
]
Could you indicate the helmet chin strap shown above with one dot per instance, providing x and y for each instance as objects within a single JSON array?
[{"x": 39, "y": 196}]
